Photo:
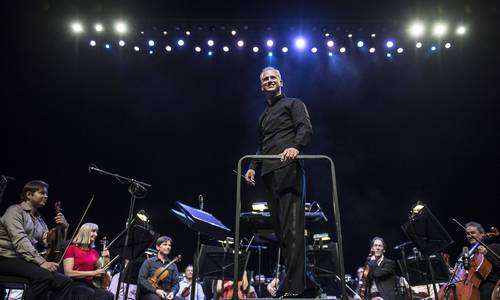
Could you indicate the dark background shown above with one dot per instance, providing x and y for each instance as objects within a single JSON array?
[{"x": 417, "y": 128}]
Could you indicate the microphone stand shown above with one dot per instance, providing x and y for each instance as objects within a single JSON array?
[
  {"x": 4, "y": 180},
  {"x": 403, "y": 255},
  {"x": 137, "y": 189},
  {"x": 196, "y": 253}
]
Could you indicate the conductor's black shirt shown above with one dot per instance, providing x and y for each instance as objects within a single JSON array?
[{"x": 284, "y": 123}]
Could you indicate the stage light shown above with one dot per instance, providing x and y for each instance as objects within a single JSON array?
[
  {"x": 416, "y": 29},
  {"x": 360, "y": 44},
  {"x": 330, "y": 54},
  {"x": 314, "y": 49},
  {"x": 188, "y": 32},
  {"x": 225, "y": 49},
  {"x": 120, "y": 27},
  {"x": 400, "y": 50},
  {"x": 98, "y": 27},
  {"x": 210, "y": 43},
  {"x": 151, "y": 43},
  {"x": 373, "y": 35},
  {"x": 417, "y": 208},
  {"x": 93, "y": 43},
  {"x": 260, "y": 206},
  {"x": 107, "y": 46},
  {"x": 165, "y": 33},
  {"x": 233, "y": 32},
  {"x": 269, "y": 54},
  {"x": 342, "y": 50},
  {"x": 327, "y": 34},
  {"x": 418, "y": 45},
  {"x": 447, "y": 45},
  {"x": 210, "y": 53},
  {"x": 389, "y": 44},
  {"x": 180, "y": 43},
  {"x": 143, "y": 216},
  {"x": 77, "y": 27},
  {"x": 439, "y": 29},
  {"x": 284, "y": 49},
  {"x": 349, "y": 35},
  {"x": 269, "y": 43},
  {"x": 136, "y": 48},
  {"x": 255, "y": 49},
  {"x": 240, "y": 43},
  {"x": 300, "y": 43},
  {"x": 168, "y": 48},
  {"x": 197, "y": 49},
  {"x": 388, "y": 55},
  {"x": 121, "y": 43},
  {"x": 330, "y": 43},
  {"x": 433, "y": 48},
  {"x": 150, "y": 51},
  {"x": 371, "y": 50},
  {"x": 461, "y": 30}
]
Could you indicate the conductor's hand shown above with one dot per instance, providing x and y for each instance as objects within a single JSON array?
[
  {"x": 250, "y": 176},
  {"x": 289, "y": 154}
]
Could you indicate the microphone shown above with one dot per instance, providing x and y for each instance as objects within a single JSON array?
[
  {"x": 403, "y": 245},
  {"x": 200, "y": 200},
  {"x": 466, "y": 258},
  {"x": 92, "y": 167}
]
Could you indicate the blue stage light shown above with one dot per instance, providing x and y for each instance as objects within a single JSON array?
[
  {"x": 433, "y": 48},
  {"x": 314, "y": 49},
  {"x": 180, "y": 43},
  {"x": 270, "y": 43},
  {"x": 300, "y": 43},
  {"x": 389, "y": 44},
  {"x": 284, "y": 49},
  {"x": 240, "y": 43},
  {"x": 360, "y": 44},
  {"x": 330, "y": 43},
  {"x": 269, "y": 54},
  {"x": 107, "y": 46},
  {"x": 151, "y": 43},
  {"x": 210, "y": 53},
  {"x": 210, "y": 43},
  {"x": 255, "y": 49},
  {"x": 330, "y": 54}
]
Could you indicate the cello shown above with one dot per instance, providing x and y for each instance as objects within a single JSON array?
[{"x": 467, "y": 277}]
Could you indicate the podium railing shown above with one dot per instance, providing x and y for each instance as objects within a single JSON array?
[{"x": 336, "y": 215}]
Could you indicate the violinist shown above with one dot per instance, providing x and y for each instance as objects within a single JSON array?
[
  {"x": 475, "y": 232},
  {"x": 170, "y": 285},
  {"x": 381, "y": 274},
  {"x": 185, "y": 286},
  {"x": 23, "y": 233},
  {"x": 81, "y": 263}
]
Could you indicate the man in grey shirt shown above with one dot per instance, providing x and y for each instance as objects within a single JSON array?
[{"x": 22, "y": 233}]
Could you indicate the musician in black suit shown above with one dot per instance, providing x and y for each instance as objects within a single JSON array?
[{"x": 382, "y": 275}]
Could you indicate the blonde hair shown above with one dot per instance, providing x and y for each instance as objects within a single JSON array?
[{"x": 82, "y": 238}]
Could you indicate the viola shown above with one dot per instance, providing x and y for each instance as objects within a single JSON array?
[
  {"x": 105, "y": 280},
  {"x": 56, "y": 239},
  {"x": 162, "y": 273},
  {"x": 466, "y": 281}
]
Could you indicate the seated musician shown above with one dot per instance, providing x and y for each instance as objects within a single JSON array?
[
  {"x": 475, "y": 232},
  {"x": 168, "y": 287},
  {"x": 185, "y": 286},
  {"x": 225, "y": 291},
  {"x": 22, "y": 232},
  {"x": 382, "y": 273},
  {"x": 81, "y": 263}
]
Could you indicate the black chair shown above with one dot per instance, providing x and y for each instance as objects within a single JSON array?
[{"x": 13, "y": 283}]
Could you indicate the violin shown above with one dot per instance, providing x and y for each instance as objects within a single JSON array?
[
  {"x": 162, "y": 273},
  {"x": 363, "y": 286},
  {"x": 466, "y": 281},
  {"x": 105, "y": 280},
  {"x": 56, "y": 239}
]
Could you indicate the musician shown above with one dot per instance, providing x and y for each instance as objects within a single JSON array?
[
  {"x": 382, "y": 273},
  {"x": 185, "y": 285},
  {"x": 358, "y": 280},
  {"x": 475, "y": 232},
  {"x": 225, "y": 291},
  {"x": 23, "y": 233},
  {"x": 170, "y": 286},
  {"x": 284, "y": 129},
  {"x": 81, "y": 263}
]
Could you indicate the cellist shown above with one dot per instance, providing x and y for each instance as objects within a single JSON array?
[
  {"x": 475, "y": 232},
  {"x": 23, "y": 233}
]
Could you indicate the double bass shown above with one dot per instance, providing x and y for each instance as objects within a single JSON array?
[{"x": 466, "y": 278}]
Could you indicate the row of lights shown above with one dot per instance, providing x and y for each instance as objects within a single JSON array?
[{"x": 120, "y": 27}]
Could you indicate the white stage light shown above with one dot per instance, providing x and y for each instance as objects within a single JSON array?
[
  {"x": 77, "y": 27},
  {"x": 300, "y": 43},
  {"x": 269, "y": 43},
  {"x": 416, "y": 29},
  {"x": 210, "y": 43},
  {"x": 210, "y": 53},
  {"x": 197, "y": 49},
  {"x": 389, "y": 55},
  {"x": 327, "y": 34},
  {"x": 360, "y": 44},
  {"x": 98, "y": 27},
  {"x": 151, "y": 43},
  {"x": 461, "y": 30},
  {"x": 225, "y": 49},
  {"x": 389, "y": 44},
  {"x": 180, "y": 43},
  {"x": 121, "y": 43},
  {"x": 373, "y": 35},
  {"x": 314, "y": 49},
  {"x": 371, "y": 50},
  {"x": 165, "y": 33},
  {"x": 447, "y": 45},
  {"x": 330, "y": 43},
  {"x": 120, "y": 27},
  {"x": 92, "y": 43},
  {"x": 284, "y": 49},
  {"x": 240, "y": 43},
  {"x": 439, "y": 29},
  {"x": 400, "y": 50},
  {"x": 107, "y": 46},
  {"x": 150, "y": 51},
  {"x": 433, "y": 48},
  {"x": 255, "y": 49},
  {"x": 342, "y": 50},
  {"x": 330, "y": 54},
  {"x": 418, "y": 45},
  {"x": 349, "y": 35},
  {"x": 188, "y": 32},
  {"x": 168, "y": 48},
  {"x": 233, "y": 32},
  {"x": 136, "y": 48}
]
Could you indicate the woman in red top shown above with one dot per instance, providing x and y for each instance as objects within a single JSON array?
[{"x": 81, "y": 264}]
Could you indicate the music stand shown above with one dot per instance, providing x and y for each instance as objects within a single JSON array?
[
  {"x": 217, "y": 262},
  {"x": 140, "y": 239},
  {"x": 321, "y": 260},
  {"x": 418, "y": 272},
  {"x": 428, "y": 234}
]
